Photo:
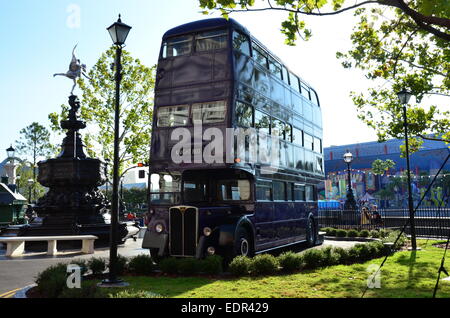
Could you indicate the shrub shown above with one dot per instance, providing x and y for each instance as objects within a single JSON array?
[
  {"x": 378, "y": 249},
  {"x": 141, "y": 265},
  {"x": 331, "y": 232},
  {"x": 240, "y": 266},
  {"x": 374, "y": 234},
  {"x": 83, "y": 265},
  {"x": 188, "y": 266},
  {"x": 212, "y": 265},
  {"x": 385, "y": 233},
  {"x": 329, "y": 257},
  {"x": 341, "y": 255},
  {"x": 264, "y": 264},
  {"x": 364, "y": 233},
  {"x": 52, "y": 281},
  {"x": 392, "y": 236},
  {"x": 169, "y": 265},
  {"x": 352, "y": 233},
  {"x": 88, "y": 289},
  {"x": 121, "y": 264},
  {"x": 134, "y": 294},
  {"x": 97, "y": 265},
  {"x": 341, "y": 233},
  {"x": 290, "y": 261},
  {"x": 313, "y": 258},
  {"x": 362, "y": 253}
]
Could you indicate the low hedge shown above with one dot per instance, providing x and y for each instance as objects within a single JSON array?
[
  {"x": 264, "y": 264},
  {"x": 141, "y": 265},
  {"x": 355, "y": 233}
]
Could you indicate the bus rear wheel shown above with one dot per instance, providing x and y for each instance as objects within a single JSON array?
[
  {"x": 311, "y": 233},
  {"x": 243, "y": 244}
]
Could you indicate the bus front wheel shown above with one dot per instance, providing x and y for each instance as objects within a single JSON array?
[{"x": 243, "y": 244}]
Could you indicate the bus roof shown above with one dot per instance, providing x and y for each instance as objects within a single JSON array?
[
  {"x": 222, "y": 22},
  {"x": 203, "y": 24}
]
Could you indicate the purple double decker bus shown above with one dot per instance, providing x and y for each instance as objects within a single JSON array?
[{"x": 236, "y": 153}]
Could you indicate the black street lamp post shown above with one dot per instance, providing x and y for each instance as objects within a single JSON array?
[
  {"x": 350, "y": 203},
  {"x": 404, "y": 97},
  {"x": 118, "y": 32},
  {"x": 107, "y": 177},
  {"x": 30, "y": 185}
]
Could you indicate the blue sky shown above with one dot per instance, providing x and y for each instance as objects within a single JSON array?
[{"x": 38, "y": 37}]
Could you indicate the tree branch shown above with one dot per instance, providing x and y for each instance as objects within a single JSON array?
[
  {"x": 303, "y": 12},
  {"x": 433, "y": 139},
  {"x": 421, "y": 19}
]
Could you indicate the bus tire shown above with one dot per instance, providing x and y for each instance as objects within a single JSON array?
[
  {"x": 243, "y": 244},
  {"x": 310, "y": 233},
  {"x": 154, "y": 254}
]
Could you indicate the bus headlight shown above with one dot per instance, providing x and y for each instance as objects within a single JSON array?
[
  {"x": 211, "y": 250},
  {"x": 159, "y": 228},
  {"x": 207, "y": 231}
]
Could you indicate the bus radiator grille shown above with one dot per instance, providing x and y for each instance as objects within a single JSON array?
[{"x": 183, "y": 231}]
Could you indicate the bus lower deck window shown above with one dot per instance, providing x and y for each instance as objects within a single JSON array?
[{"x": 233, "y": 190}]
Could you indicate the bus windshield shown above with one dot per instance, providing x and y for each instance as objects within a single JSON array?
[{"x": 164, "y": 188}]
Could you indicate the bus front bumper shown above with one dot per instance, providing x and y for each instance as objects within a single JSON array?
[{"x": 155, "y": 240}]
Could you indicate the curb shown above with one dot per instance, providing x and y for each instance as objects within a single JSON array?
[
  {"x": 357, "y": 239},
  {"x": 23, "y": 292}
]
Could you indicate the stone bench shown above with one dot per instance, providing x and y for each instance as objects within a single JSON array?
[{"x": 15, "y": 246}]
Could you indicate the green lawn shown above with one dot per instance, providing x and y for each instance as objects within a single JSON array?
[{"x": 405, "y": 274}]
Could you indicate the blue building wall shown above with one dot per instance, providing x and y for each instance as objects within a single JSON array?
[
  {"x": 429, "y": 158},
  {"x": 424, "y": 165}
]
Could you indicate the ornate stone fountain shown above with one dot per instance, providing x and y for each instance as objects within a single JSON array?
[{"x": 73, "y": 205}]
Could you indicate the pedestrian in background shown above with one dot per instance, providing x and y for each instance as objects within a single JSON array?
[{"x": 365, "y": 216}]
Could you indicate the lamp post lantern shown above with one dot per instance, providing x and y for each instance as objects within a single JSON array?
[
  {"x": 350, "y": 203},
  {"x": 10, "y": 152},
  {"x": 10, "y": 165},
  {"x": 404, "y": 97},
  {"x": 118, "y": 32}
]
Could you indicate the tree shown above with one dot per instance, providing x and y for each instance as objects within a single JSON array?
[
  {"x": 34, "y": 143},
  {"x": 97, "y": 109},
  {"x": 379, "y": 167},
  {"x": 397, "y": 43},
  {"x": 25, "y": 173}
]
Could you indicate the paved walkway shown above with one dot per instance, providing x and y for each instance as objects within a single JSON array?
[{"x": 19, "y": 272}]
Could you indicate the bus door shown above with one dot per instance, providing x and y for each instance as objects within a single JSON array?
[{"x": 264, "y": 215}]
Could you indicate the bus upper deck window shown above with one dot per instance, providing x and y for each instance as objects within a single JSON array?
[
  {"x": 259, "y": 56},
  {"x": 244, "y": 115},
  {"x": 294, "y": 82},
  {"x": 211, "y": 40},
  {"x": 285, "y": 76},
  {"x": 210, "y": 112},
  {"x": 305, "y": 92},
  {"x": 173, "y": 116},
  {"x": 181, "y": 45},
  {"x": 241, "y": 43},
  {"x": 275, "y": 68},
  {"x": 314, "y": 98}
]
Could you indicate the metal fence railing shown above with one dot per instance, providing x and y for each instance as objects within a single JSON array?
[{"x": 430, "y": 222}]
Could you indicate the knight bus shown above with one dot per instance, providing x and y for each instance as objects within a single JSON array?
[{"x": 214, "y": 72}]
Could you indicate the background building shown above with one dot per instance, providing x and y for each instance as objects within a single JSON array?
[{"x": 388, "y": 190}]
